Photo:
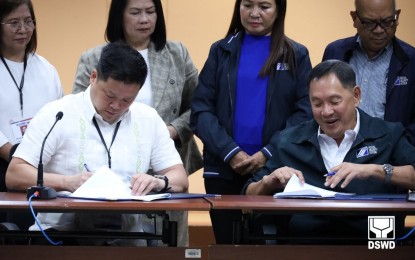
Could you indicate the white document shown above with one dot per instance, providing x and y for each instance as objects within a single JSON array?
[
  {"x": 104, "y": 184},
  {"x": 295, "y": 189}
]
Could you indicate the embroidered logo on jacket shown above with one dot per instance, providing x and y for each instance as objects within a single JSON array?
[
  {"x": 365, "y": 151},
  {"x": 401, "y": 81},
  {"x": 282, "y": 66}
]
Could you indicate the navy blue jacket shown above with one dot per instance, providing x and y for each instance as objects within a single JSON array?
[
  {"x": 382, "y": 142},
  {"x": 400, "y": 90},
  {"x": 213, "y": 103}
]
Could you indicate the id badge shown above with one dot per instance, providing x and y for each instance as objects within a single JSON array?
[{"x": 19, "y": 129}]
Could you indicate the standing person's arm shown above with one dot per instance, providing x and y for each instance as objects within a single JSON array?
[
  {"x": 204, "y": 118},
  {"x": 181, "y": 123},
  {"x": 302, "y": 107}
]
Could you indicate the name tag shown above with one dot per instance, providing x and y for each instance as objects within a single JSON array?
[{"x": 19, "y": 128}]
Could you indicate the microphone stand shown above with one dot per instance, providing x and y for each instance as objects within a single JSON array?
[{"x": 42, "y": 191}]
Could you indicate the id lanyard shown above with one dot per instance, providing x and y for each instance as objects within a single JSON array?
[
  {"x": 103, "y": 140},
  {"x": 19, "y": 88}
]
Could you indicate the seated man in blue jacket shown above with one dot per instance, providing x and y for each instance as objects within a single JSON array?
[
  {"x": 384, "y": 65},
  {"x": 367, "y": 154}
]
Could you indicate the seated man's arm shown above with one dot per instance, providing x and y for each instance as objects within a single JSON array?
[
  {"x": 142, "y": 184},
  {"x": 276, "y": 180},
  {"x": 177, "y": 176},
  {"x": 21, "y": 175},
  {"x": 403, "y": 176}
]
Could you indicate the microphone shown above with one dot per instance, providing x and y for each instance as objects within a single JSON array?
[{"x": 43, "y": 192}]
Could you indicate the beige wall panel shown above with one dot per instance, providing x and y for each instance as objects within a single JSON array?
[{"x": 66, "y": 29}]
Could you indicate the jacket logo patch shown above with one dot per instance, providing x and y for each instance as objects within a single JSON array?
[
  {"x": 401, "y": 81},
  {"x": 282, "y": 66},
  {"x": 365, "y": 151}
]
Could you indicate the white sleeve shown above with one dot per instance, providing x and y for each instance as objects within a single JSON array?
[{"x": 164, "y": 153}]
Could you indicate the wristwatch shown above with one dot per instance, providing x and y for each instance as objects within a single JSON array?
[
  {"x": 388, "y": 172},
  {"x": 166, "y": 182}
]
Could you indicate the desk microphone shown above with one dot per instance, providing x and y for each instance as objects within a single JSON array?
[{"x": 43, "y": 192}]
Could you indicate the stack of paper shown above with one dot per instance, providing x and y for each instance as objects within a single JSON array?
[
  {"x": 104, "y": 184},
  {"x": 296, "y": 189}
]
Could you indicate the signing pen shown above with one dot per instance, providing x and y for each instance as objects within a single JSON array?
[
  {"x": 86, "y": 167},
  {"x": 329, "y": 174}
]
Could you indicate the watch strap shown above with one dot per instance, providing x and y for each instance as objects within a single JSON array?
[
  {"x": 388, "y": 172},
  {"x": 166, "y": 183}
]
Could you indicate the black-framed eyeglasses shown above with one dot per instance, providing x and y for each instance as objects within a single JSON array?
[
  {"x": 371, "y": 24},
  {"x": 29, "y": 24}
]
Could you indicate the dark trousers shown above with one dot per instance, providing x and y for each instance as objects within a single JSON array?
[{"x": 224, "y": 220}]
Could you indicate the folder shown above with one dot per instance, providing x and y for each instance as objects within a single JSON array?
[{"x": 373, "y": 196}]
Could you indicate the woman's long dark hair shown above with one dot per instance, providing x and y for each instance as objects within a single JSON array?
[{"x": 281, "y": 46}]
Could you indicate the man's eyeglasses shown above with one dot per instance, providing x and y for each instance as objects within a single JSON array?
[
  {"x": 29, "y": 24},
  {"x": 371, "y": 24}
]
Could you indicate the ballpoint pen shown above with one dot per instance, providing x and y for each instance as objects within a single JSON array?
[
  {"x": 86, "y": 167},
  {"x": 329, "y": 174}
]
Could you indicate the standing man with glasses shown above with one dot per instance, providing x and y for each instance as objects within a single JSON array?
[{"x": 384, "y": 65}]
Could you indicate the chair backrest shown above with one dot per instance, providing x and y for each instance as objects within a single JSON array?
[
  {"x": 3, "y": 169},
  {"x": 12, "y": 150},
  {"x": 3, "y": 188},
  {"x": 22, "y": 219}
]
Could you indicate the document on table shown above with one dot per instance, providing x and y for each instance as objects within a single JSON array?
[
  {"x": 105, "y": 184},
  {"x": 295, "y": 189}
]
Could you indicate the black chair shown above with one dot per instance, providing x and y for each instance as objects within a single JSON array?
[
  {"x": 3, "y": 188},
  {"x": 12, "y": 220},
  {"x": 3, "y": 169}
]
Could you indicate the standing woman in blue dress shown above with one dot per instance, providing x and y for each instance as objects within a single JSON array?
[{"x": 252, "y": 85}]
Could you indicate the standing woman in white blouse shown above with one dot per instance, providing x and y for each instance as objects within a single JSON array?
[{"x": 27, "y": 80}]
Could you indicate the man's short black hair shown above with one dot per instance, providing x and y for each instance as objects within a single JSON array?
[
  {"x": 121, "y": 62},
  {"x": 340, "y": 69}
]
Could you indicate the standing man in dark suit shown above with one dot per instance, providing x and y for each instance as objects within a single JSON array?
[{"x": 384, "y": 65}]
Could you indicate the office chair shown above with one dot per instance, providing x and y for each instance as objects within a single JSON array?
[
  {"x": 12, "y": 220},
  {"x": 3, "y": 188}
]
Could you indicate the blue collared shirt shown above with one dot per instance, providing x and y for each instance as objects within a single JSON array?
[{"x": 371, "y": 76}]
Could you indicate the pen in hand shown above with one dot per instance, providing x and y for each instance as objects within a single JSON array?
[
  {"x": 87, "y": 168},
  {"x": 329, "y": 174}
]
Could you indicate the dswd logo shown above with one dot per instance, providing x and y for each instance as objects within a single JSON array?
[{"x": 381, "y": 232}]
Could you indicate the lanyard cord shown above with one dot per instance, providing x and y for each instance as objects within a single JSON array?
[
  {"x": 19, "y": 88},
  {"x": 103, "y": 141}
]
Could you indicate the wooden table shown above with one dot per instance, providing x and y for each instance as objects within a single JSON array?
[
  {"x": 268, "y": 205},
  {"x": 17, "y": 202},
  {"x": 311, "y": 206}
]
